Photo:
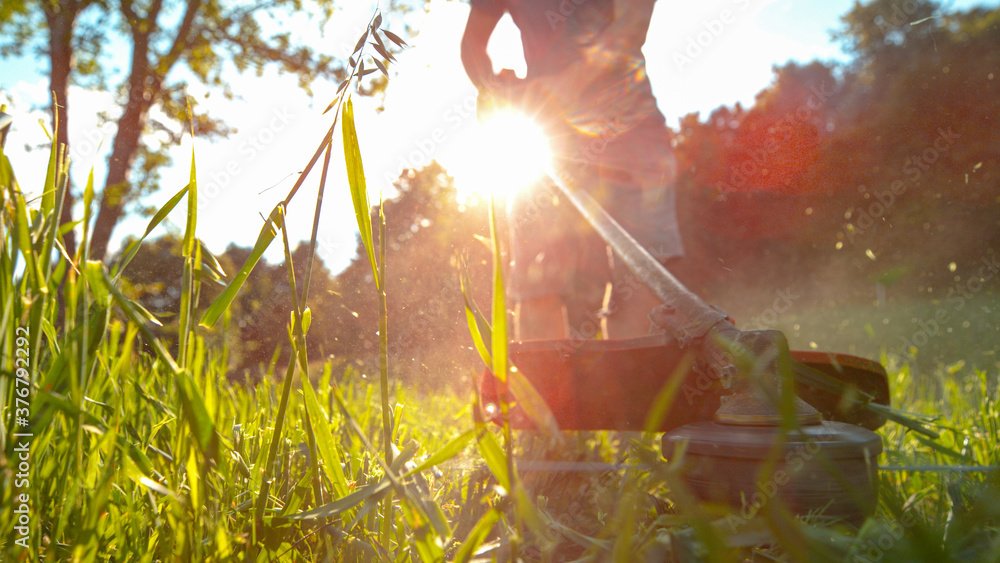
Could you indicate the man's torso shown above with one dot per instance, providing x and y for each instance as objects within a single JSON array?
[{"x": 555, "y": 34}]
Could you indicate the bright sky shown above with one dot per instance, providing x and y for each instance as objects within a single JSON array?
[{"x": 700, "y": 56}]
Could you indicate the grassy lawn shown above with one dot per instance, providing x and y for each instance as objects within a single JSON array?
[
  {"x": 143, "y": 472},
  {"x": 928, "y": 334},
  {"x": 116, "y": 450}
]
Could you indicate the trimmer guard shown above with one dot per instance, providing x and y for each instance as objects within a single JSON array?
[{"x": 613, "y": 384}]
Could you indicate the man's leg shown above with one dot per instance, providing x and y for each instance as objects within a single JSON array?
[
  {"x": 627, "y": 303},
  {"x": 540, "y": 318},
  {"x": 649, "y": 216},
  {"x": 543, "y": 249}
]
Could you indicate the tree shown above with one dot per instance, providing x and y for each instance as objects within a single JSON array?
[
  {"x": 917, "y": 141},
  {"x": 428, "y": 233},
  {"x": 260, "y": 315},
  {"x": 19, "y": 22},
  {"x": 893, "y": 154},
  {"x": 171, "y": 42}
]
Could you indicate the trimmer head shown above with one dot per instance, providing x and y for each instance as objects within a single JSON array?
[
  {"x": 733, "y": 392},
  {"x": 611, "y": 384},
  {"x": 739, "y": 447},
  {"x": 828, "y": 469}
]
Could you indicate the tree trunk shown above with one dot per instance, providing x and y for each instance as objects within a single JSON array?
[
  {"x": 116, "y": 187},
  {"x": 61, "y": 18},
  {"x": 145, "y": 81}
]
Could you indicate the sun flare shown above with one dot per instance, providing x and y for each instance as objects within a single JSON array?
[{"x": 501, "y": 156}]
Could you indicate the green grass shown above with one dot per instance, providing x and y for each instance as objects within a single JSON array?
[
  {"x": 146, "y": 456},
  {"x": 929, "y": 334}
]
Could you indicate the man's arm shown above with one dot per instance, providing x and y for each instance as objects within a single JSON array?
[
  {"x": 626, "y": 34},
  {"x": 618, "y": 43},
  {"x": 483, "y": 19}
]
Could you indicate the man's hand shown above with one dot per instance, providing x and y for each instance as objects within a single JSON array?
[
  {"x": 533, "y": 98},
  {"x": 497, "y": 92}
]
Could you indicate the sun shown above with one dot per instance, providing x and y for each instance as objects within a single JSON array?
[{"x": 499, "y": 157}]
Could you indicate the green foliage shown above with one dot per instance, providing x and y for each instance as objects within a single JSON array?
[
  {"x": 149, "y": 449},
  {"x": 206, "y": 39},
  {"x": 890, "y": 153}
]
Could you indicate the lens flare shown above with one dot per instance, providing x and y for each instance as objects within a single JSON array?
[{"x": 505, "y": 154}]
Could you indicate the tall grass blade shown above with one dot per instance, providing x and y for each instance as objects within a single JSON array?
[
  {"x": 383, "y": 341},
  {"x": 192, "y": 210},
  {"x": 221, "y": 303},
  {"x": 329, "y": 454},
  {"x": 499, "y": 348},
  {"x": 286, "y": 386},
  {"x": 196, "y": 415},
  {"x": 211, "y": 262},
  {"x": 191, "y": 252},
  {"x": 48, "y": 204},
  {"x": 446, "y": 452},
  {"x": 479, "y": 327},
  {"x": 83, "y": 249},
  {"x": 531, "y": 402},
  {"x": 358, "y": 185},
  {"x": 477, "y": 536},
  {"x": 499, "y": 314},
  {"x": 362, "y": 210},
  {"x": 56, "y": 182},
  {"x": 343, "y": 504},
  {"x": 157, "y": 218},
  {"x": 102, "y": 285},
  {"x": 22, "y": 225},
  {"x": 314, "y": 236},
  {"x": 494, "y": 457},
  {"x": 6, "y": 172}
]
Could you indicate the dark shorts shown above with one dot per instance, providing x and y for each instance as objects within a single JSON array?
[{"x": 552, "y": 245}]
